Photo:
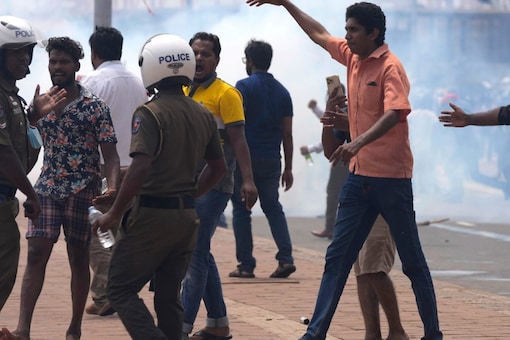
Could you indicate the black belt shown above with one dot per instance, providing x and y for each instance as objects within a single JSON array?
[
  {"x": 167, "y": 202},
  {"x": 7, "y": 191}
]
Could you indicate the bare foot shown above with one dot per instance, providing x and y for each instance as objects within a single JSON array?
[{"x": 6, "y": 335}]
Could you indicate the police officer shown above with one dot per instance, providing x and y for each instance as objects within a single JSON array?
[
  {"x": 171, "y": 135},
  {"x": 17, "y": 155}
]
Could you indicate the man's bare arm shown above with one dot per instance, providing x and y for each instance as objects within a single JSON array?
[{"x": 310, "y": 26}]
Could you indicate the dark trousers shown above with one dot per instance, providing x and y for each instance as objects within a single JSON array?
[
  {"x": 157, "y": 244},
  {"x": 9, "y": 247}
]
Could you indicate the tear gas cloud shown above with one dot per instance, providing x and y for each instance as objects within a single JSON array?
[{"x": 455, "y": 170}]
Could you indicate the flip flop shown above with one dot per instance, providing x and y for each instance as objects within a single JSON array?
[{"x": 208, "y": 336}]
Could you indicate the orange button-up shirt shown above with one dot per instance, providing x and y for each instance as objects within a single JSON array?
[{"x": 376, "y": 85}]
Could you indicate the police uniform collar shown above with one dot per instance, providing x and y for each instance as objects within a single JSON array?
[
  {"x": 169, "y": 91},
  {"x": 9, "y": 88}
]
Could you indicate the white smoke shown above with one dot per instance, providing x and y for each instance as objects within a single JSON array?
[{"x": 298, "y": 63}]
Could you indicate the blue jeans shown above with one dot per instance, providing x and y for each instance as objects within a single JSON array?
[
  {"x": 361, "y": 199},
  {"x": 266, "y": 175},
  {"x": 202, "y": 280}
]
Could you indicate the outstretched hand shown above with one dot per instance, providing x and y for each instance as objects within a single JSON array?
[
  {"x": 455, "y": 118},
  {"x": 46, "y": 102}
]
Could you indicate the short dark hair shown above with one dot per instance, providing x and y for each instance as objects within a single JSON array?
[
  {"x": 260, "y": 53},
  {"x": 369, "y": 16},
  {"x": 67, "y": 45},
  {"x": 208, "y": 37},
  {"x": 106, "y": 42}
]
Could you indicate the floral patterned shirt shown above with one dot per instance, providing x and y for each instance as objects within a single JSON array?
[{"x": 71, "y": 141}]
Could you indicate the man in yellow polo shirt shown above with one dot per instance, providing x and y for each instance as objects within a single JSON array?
[{"x": 225, "y": 103}]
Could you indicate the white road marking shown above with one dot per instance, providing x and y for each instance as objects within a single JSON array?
[{"x": 482, "y": 233}]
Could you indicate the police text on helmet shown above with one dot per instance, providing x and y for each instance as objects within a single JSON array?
[
  {"x": 24, "y": 34},
  {"x": 174, "y": 57}
]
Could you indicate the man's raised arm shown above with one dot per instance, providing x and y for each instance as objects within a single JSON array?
[{"x": 312, "y": 27}]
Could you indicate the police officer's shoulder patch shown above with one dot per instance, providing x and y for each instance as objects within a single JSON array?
[{"x": 137, "y": 122}]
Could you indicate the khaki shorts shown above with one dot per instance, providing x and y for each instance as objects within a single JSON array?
[{"x": 378, "y": 252}]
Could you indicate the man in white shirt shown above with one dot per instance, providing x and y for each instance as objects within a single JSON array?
[{"x": 123, "y": 92}]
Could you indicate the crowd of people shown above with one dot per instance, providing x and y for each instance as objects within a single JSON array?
[
  {"x": 165, "y": 202},
  {"x": 102, "y": 127}
]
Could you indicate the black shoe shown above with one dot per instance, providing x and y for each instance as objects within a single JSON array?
[
  {"x": 283, "y": 270},
  {"x": 106, "y": 310},
  {"x": 241, "y": 273}
]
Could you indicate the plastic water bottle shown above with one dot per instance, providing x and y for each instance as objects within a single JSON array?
[
  {"x": 309, "y": 159},
  {"x": 106, "y": 238}
]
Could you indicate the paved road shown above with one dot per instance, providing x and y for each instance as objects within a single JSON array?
[
  {"x": 471, "y": 249},
  {"x": 265, "y": 308},
  {"x": 472, "y": 256}
]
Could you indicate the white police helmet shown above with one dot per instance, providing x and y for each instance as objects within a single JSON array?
[
  {"x": 16, "y": 33},
  {"x": 165, "y": 56}
]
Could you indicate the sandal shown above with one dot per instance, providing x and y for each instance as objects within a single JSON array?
[
  {"x": 242, "y": 274},
  {"x": 208, "y": 336}
]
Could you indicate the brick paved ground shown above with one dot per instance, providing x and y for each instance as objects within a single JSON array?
[{"x": 265, "y": 308}]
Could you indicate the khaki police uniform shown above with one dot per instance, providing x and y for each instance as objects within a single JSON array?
[
  {"x": 159, "y": 236},
  {"x": 13, "y": 132}
]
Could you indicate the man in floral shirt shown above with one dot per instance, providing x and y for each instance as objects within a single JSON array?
[{"x": 69, "y": 181}]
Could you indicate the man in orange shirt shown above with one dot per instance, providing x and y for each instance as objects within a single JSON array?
[{"x": 379, "y": 156}]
